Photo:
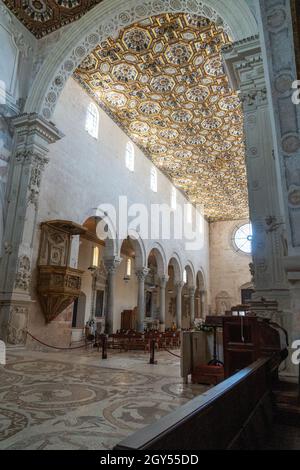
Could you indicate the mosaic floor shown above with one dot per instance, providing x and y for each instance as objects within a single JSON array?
[{"x": 77, "y": 401}]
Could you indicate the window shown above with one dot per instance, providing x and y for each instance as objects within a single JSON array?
[
  {"x": 242, "y": 238},
  {"x": 129, "y": 156},
  {"x": 173, "y": 199},
  {"x": 189, "y": 213},
  {"x": 185, "y": 276},
  {"x": 128, "y": 267},
  {"x": 92, "y": 120},
  {"x": 153, "y": 180},
  {"x": 95, "y": 256}
]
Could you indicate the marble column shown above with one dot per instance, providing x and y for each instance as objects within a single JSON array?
[
  {"x": 244, "y": 66},
  {"x": 179, "y": 286},
  {"x": 111, "y": 265},
  {"x": 192, "y": 291},
  {"x": 32, "y": 136},
  {"x": 275, "y": 23},
  {"x": 141, "y": 276},
  {"x": 162, "y": 301}
]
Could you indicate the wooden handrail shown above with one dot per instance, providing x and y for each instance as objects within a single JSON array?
[{"x": 212, "y": 420}]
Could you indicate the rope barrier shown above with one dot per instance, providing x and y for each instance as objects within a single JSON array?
[
  {"x": 79, "y": 347},
  {"x": 56, "y": 347},
  {"x": 173, "y": 354}
]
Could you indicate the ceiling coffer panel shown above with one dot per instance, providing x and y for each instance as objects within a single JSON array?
[
  {"x": 42, "y": 17},
  {"x": 162, "y": 80}
]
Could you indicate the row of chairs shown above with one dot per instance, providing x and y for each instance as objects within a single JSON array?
[{"x": 134, "y": 341}]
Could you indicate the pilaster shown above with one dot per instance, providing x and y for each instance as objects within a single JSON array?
[
  {"x": 244, "y": 64},
  {"x": 32, "y": 136}
]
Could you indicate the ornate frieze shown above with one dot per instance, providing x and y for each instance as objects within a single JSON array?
[
  {"x": 23, "y": 276},
  {"x": 38, "y": 165}
]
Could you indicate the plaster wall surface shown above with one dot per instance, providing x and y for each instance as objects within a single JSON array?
[{"x": 229, "y": 270}]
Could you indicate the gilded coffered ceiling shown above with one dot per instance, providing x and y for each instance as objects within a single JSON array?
[
  {"x": 42, "y": 17},
  {"x": 163, "y": 82}
]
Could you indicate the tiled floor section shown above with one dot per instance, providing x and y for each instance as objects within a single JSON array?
[{"x": 77, "y": 401}]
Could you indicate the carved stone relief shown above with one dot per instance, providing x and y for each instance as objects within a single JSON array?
[
  {"x": 23, "y": 276},
  {"x": 54, "y": 247},
  {"x": 18, "y": 321}
]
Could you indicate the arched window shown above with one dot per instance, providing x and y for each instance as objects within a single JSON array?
[
  {"x": 153, "y": 180},
  {"x": 185, "y": 278},
  {"x": 95, "y": 256},
  {"x": 173, "y": 199},
  {"x": 129, "y": 156},
  {"x": 92, "y": 120},
  {"x": 189, "y": 213}
]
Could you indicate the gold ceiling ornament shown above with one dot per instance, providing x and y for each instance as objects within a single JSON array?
[{"x": 162, "y": 81}]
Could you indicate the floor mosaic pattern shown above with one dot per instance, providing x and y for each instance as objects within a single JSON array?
[{"x": 77, "y": 401}]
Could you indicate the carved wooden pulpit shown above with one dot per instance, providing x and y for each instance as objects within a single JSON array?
[{"x": 58, "y": 283}]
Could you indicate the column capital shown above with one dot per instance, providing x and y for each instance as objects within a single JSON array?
[
  {"x": 111, "y": 264},
  {"x": 142, "y": 273},
  {"x": 163, "y": 280},
  {"x": 179, "y": 285},
  {"x": 192, "y": 291},
  {"x": 243, "y": 61},
  {"x": 244, "y": 66}
]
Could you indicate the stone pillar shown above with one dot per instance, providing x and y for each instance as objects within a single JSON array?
[
  {"x": 275, "y": 23},
  {"x": 32, "y": 135},
  {"x": 111, "y": 265},
  {"x": 244, "y": 64},
  {"x": 192, "y": 291},
  {"x": 141, "y": 276},
  {"x": 179, "y": 286},
  {"x": 203, "y": 303},
  {"x": 162, "y": 301}
]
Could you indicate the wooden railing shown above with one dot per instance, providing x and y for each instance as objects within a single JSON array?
[{"x": 233, "y": 415}]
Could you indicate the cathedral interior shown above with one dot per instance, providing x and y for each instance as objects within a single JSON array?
[{"x": 149, "y": 225}]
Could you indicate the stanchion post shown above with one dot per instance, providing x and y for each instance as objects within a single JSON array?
[
  {"x": 152, "y": 352},
  {"x": 104, "y": 347}
]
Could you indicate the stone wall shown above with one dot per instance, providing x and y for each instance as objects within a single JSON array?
[{"x": 229, "y": 270}]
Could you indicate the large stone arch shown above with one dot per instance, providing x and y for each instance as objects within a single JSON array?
[
  {"x": 111, "y": 242},
  {"x": 191, "y": 278},
  {"x": 139, "y": 248},
  {"x": 175, "y": 262},
  {"x": 106, "y": 20},
  {"x": 201, "y": 279},
  {"x": 160, "y": 257}
]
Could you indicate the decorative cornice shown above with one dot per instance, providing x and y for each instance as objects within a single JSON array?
[{"x": 34, "y": 124}]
